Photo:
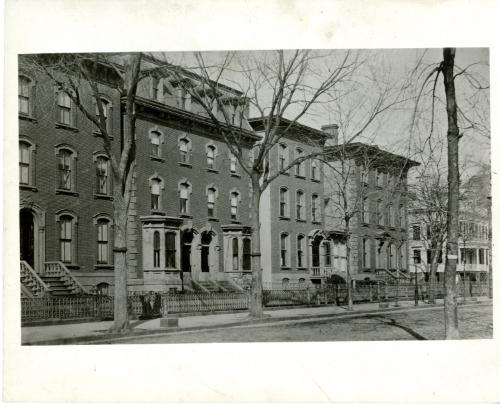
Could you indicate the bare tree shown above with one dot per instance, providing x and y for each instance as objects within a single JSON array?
[
  {"x": 80, "y": 74},
  {"x": 352, "y": 200},
  {"x": 281, "y": 87}
]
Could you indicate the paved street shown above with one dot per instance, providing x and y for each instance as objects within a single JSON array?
[{"x": 426, "y": 324}]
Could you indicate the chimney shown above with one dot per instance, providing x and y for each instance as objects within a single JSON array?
[{"x": 332, "y": 132}]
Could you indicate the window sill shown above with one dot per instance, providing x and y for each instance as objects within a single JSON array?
[
  {"x": 103, "y": 197},
  {"x": 184, "y": 164},
  {"x": 366, "y": 224},
  {"x": 212, "y": 170},
  {"x": 316, "y": 222},
  {"x": 67, "y": 192},
  {"x": 104, "y": 267},
  {"x": 157, "y": 159},
  {"x": 157, "y": 212},
  {"x": 235, "y": 221},
  {"x": 285, "y": 268},
  {"x": 27, "y": 118},
  {"x": 316, "y": 180},
  {"x": 235, "y": 175},
  {"x": 299, "y": 176},
  {"x": 185, "y": 216},
  {"x": 98, "y": 134},
  {"x": 301, "y": 220},
  {"x": 67, "y": 127},
  {"x": 301, "y": 268},
  {"x": 285, "y": 174},
  {"x": 28, "y": 187},
  {"x": 284, "y": 218},
  {"x": 213, "y": 219}
]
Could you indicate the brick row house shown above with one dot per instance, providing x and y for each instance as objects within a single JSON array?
[
  {"x": 189, "y": 215},
  {"x": 369, "y": 185}
]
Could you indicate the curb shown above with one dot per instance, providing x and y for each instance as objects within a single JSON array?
[{"x": 113, "y": 337}]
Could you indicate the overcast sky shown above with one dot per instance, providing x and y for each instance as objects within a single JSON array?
[{"x": 395, "y": 129}]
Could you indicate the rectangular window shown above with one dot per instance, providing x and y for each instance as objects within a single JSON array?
[
  {"x": 156, "y": 249},
  {"x": 102, "y": 175},
  {"x": 283, "y": 250},
  {"x": 380, "y": 213},
  {"x": 236, "y": 265},
  {"x": 328, "y": 254},
  {"x": 300, "y": 251},
  {"x": 314, "y": 209},
  {"x": 24, "y": 93},
  {"x": 417, "y": 259},
  {"x": 170, "y": 250},
  {"x": 416, "y": 232},
  {"x": 232, "y": 164},
  {"x": 66, "y": 239},
  {"x": 102, "y": 242},
  {"x": 234, "y": 206},
  {"x": 24, "y": 163}
]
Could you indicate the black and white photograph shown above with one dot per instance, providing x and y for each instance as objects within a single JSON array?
[{"x": 186, "y": 199}]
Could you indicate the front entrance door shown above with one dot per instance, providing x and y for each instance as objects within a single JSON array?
[
  {"x": 206, "y": 239},
  {"x": 27, "y": 236},
  {"x": 186, "y": 241}
]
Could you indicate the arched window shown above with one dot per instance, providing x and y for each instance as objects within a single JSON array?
[
  {"x": 302, "y": 282},
  {"x": 155, "y": 144},
  {"x": 391, "y": 215},
  {"x": 211, "y": 192},
  {"x": 184, "y": 191},
  {"x": 300, "y": 251},
  {"x": 103, "y": 241},
  {"x": 285, "y": 283},
  {"x": 283, "y": 202},
  {"x": 170, "y": 251},
  {"x": 211, "y": 154},
  {"x": 66, "y": 169},
  {"x": 314, "y": 170},
  {"x": 156, "y": 249},
  {"x": 155, "y": 194},
  {"x": 65, "y": 109},
  {"x": 366, "y": 253},
  {"x": 67, "y": 237},
  {"x": 184, "y": 150},
  {"x": 315, "y": 215},
  {"x": 106, "y": 111},
  {"x": 236, "y": 264},
  {"x": 299, "y": 167},
  {"x": 247, "y": 254},
  {"x": 102, "y": 289},
  {"x": 282, "y": 156},
  {"x": 284, "y": 250},
  {"x": 102, "y": 175},
  {"x": 300, "y": 204},
  {"x": 24, "y": 94},
  {"x": 235, "y": 196},
  {"x": 26, "y": 164}
]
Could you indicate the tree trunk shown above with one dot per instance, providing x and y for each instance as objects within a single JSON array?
[
  {"x": 121, "y": 323},
  {"x": 348, "y": 265},
  {"x": 450, "y": 301},
  {"x": 256, "y": 308}
]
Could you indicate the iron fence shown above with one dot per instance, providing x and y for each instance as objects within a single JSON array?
[{"x": 152, "y": 304}]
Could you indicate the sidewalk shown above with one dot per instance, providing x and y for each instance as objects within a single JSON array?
[{"x": 98, "y": 331}]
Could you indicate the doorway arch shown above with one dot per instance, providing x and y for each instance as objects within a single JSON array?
[{"x": 32, "y": 236}]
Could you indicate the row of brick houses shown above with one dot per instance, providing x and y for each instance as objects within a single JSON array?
[{"x": 189, "y": 223}]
